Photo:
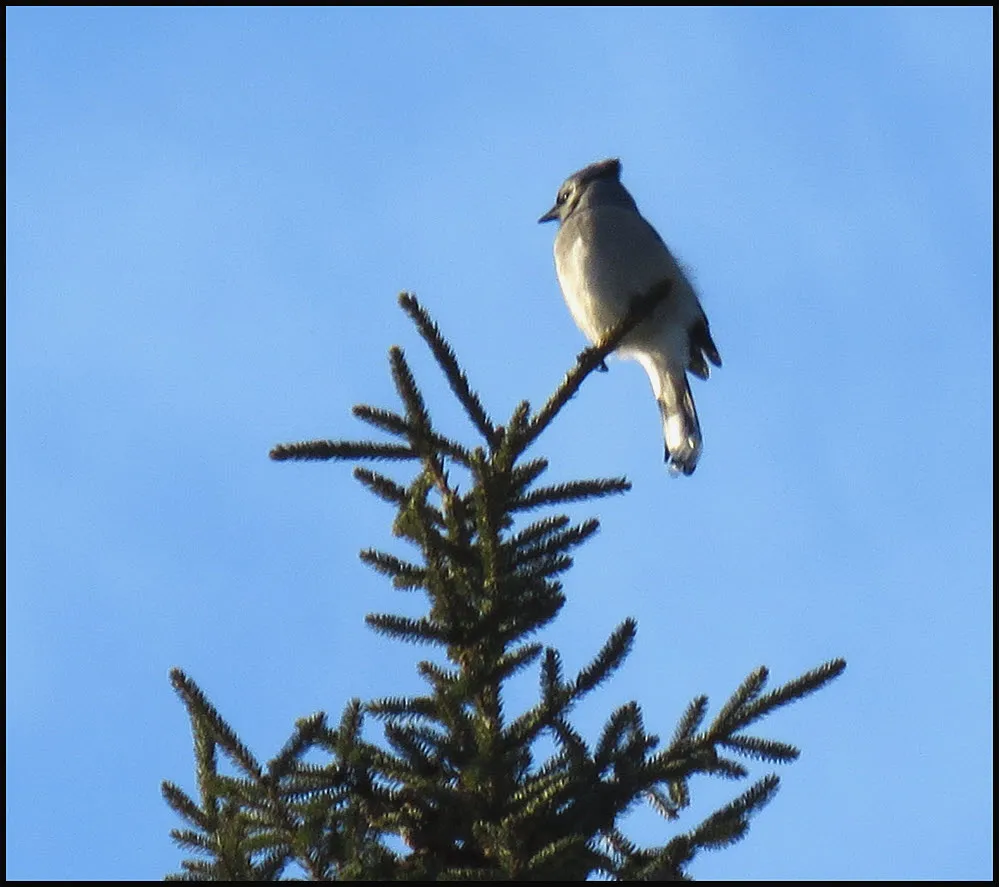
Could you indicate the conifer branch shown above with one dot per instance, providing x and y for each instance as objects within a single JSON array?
[
  {"x": 196, "y": 842},
  {"x": 590, "y": 359},
  {"x": 551, "y": 854},
  {"x": 724, "y": 827},
  {"x": 307, "y": 732},
  {"x": 749, "y": 690},
  {"x": 383, "y": 487},
  {"x": 574, "y": 746},
  {"x": 415, "y": 631},
  {"x": 668, "y": 807},
  {"x": 448, "y": 362},
  {"x": 316, "y": 450},
  {"x": 395, "y": 424},
  {"x": 406, "y": 386},
  {"x": 514, "y": 661},
  {"x": 574, "y": 491},
  {"x": 718, "y": 766},
  {"x": 538, "y": 532},
  {"x": 679, "y": 794},
  {"x": 620, "y": 845},
  {"x": 206, "y": 714},
  {"x": 689, "y": 723},
  {"x": 487, "y": 521},
  {"x": 404, "y": 706},
  {"x": 524, "y": 474},
  {"x": 444, "y": 680},
  {"x": 623, "y": 721},
  {"x": 183, "y": 806},
  {"x": 404, "y": 574},
  {"x": 421, "y": 435},
  {"x": 762, "y": 749},
  {"x": 553, "y": 542},
  {"x": 414, "y": 748},
  {"x": 542, "y": 568},
  {"x": 608, "y": 660},
  {"x": 794, "y": 690},
  {"x": 552, "y": 685},
  {"x": 385, "y": 420},
  {"x": 728, "y": 825},
  {"x": 747, "y": 705}
]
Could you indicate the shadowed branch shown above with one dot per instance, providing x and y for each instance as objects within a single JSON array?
[{"x": 591, "y": 359}]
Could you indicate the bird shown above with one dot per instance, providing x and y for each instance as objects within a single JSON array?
[{"x": 606, "y": 255}]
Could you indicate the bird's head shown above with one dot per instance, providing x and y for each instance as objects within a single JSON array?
[{"x": 598, "y": 183}]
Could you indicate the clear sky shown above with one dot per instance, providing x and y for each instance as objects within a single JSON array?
[{"x": 210, "y": 213}]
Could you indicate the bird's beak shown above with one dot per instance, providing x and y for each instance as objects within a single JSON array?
[{"x": 551, "y": 215}]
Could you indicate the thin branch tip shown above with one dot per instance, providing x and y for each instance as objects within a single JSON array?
[{"x": 592, "y": 358}]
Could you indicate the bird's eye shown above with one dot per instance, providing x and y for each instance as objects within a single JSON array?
[{"x": 562, "y": 197}]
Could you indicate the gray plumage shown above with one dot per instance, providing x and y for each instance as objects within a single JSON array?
[{"x": 606, "y": 254}]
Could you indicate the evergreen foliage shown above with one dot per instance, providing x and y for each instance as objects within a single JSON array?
[{"x": 456, "y": 777}]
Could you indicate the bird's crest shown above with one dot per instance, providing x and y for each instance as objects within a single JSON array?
[{"x": 603, "y": 169}]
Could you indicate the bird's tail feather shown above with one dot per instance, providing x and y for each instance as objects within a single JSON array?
[{"x": 681, "y": 431}]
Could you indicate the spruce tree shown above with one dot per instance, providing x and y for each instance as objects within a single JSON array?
[{"x": 455, "y": 788}]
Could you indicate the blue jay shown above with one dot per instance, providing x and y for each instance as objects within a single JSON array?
[{"x": 607, "y": 254}]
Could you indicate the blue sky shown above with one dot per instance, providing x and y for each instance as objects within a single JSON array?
[{"x": 209, "y": 216}]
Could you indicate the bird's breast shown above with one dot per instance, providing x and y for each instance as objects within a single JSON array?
[
  {"x": 588, "y": 292},
  {"x": 604, "y": 259}
]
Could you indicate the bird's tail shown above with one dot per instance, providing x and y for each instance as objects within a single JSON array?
[{"x": 681, "y": 431}]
